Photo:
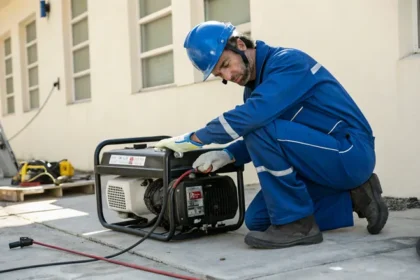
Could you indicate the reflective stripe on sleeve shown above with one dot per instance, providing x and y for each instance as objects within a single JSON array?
[
  {"x": 315, "y": 68},
  {"x": 229, "y": 130}
]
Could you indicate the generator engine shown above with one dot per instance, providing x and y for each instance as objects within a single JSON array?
[
  {"x": 152, "y": 188},
  {"x": 197, "y": 201}
]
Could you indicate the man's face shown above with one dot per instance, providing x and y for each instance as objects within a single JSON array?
[{"x": 232, "y": 68}]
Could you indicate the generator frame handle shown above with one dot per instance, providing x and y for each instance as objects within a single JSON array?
[{"x": 122, "y": 226}]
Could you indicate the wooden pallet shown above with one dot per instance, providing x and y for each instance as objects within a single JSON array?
[{"x": 17, "y": 194}]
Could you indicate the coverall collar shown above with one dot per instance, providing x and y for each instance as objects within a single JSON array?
[{"x": 260, "y": 57}]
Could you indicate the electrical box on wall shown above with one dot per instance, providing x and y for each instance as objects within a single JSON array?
[{"x": 44, "y": 8}]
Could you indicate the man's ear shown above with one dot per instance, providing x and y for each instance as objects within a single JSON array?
[{"x": 240, "y": 44}]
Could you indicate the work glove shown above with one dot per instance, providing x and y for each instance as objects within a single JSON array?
[
  {"x": 180, "y": 144},
  {"x": 212, "y": 161}
]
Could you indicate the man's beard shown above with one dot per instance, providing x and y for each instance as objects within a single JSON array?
[{"x": 246, "y": 75}]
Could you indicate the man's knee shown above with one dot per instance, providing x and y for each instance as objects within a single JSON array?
[{"x": 261, "y": 134}]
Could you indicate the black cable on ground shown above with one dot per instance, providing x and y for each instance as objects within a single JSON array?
[
  {"x": 86, "y": 261},
  {"x": 158, "y": 221}
]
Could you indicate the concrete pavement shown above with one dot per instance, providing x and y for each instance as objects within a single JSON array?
[{"x": 71, "y": 222}]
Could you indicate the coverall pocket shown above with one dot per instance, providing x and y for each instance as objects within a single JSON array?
[{"x": 314, "y": 119}]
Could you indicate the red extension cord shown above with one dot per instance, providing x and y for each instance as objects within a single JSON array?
[
  {"x": 157, "y": 271},
  {"x": 26, "y": 241}
]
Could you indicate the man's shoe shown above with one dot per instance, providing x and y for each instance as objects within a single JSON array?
[
  {"x": 301, "y": 232},
  {"x": 368, "y": 203}
]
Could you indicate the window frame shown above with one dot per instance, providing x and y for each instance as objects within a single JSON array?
[
  {"x": 5, "y": 96},
  {"x": 155, "y": 52},
  {"x": 416, "y": 25},
  {"x": 27, "y": 88},
  {"x": 75, "y": 48}
]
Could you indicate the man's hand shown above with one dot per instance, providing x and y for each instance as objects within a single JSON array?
[
  {"x": 213, "y": 160},
  {"x": 182, "y": 143}
]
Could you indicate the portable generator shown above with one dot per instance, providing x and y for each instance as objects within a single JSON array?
[{"x": 162, "y": 185}]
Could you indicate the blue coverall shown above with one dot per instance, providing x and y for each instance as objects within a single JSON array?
[{"x": 308, "y": 140}]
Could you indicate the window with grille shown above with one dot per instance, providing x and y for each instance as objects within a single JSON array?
[
  {"x": 31, "y": 59},
  {"x": 8, "y": 77},
  {"x": 155, "y": 37},
  {"x": 80, "y": 50}
]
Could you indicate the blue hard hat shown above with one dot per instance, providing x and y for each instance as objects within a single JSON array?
[{"x": 205, "y": 44}]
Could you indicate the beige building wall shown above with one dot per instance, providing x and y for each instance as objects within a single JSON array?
[{"x": 369, "y": 45}]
